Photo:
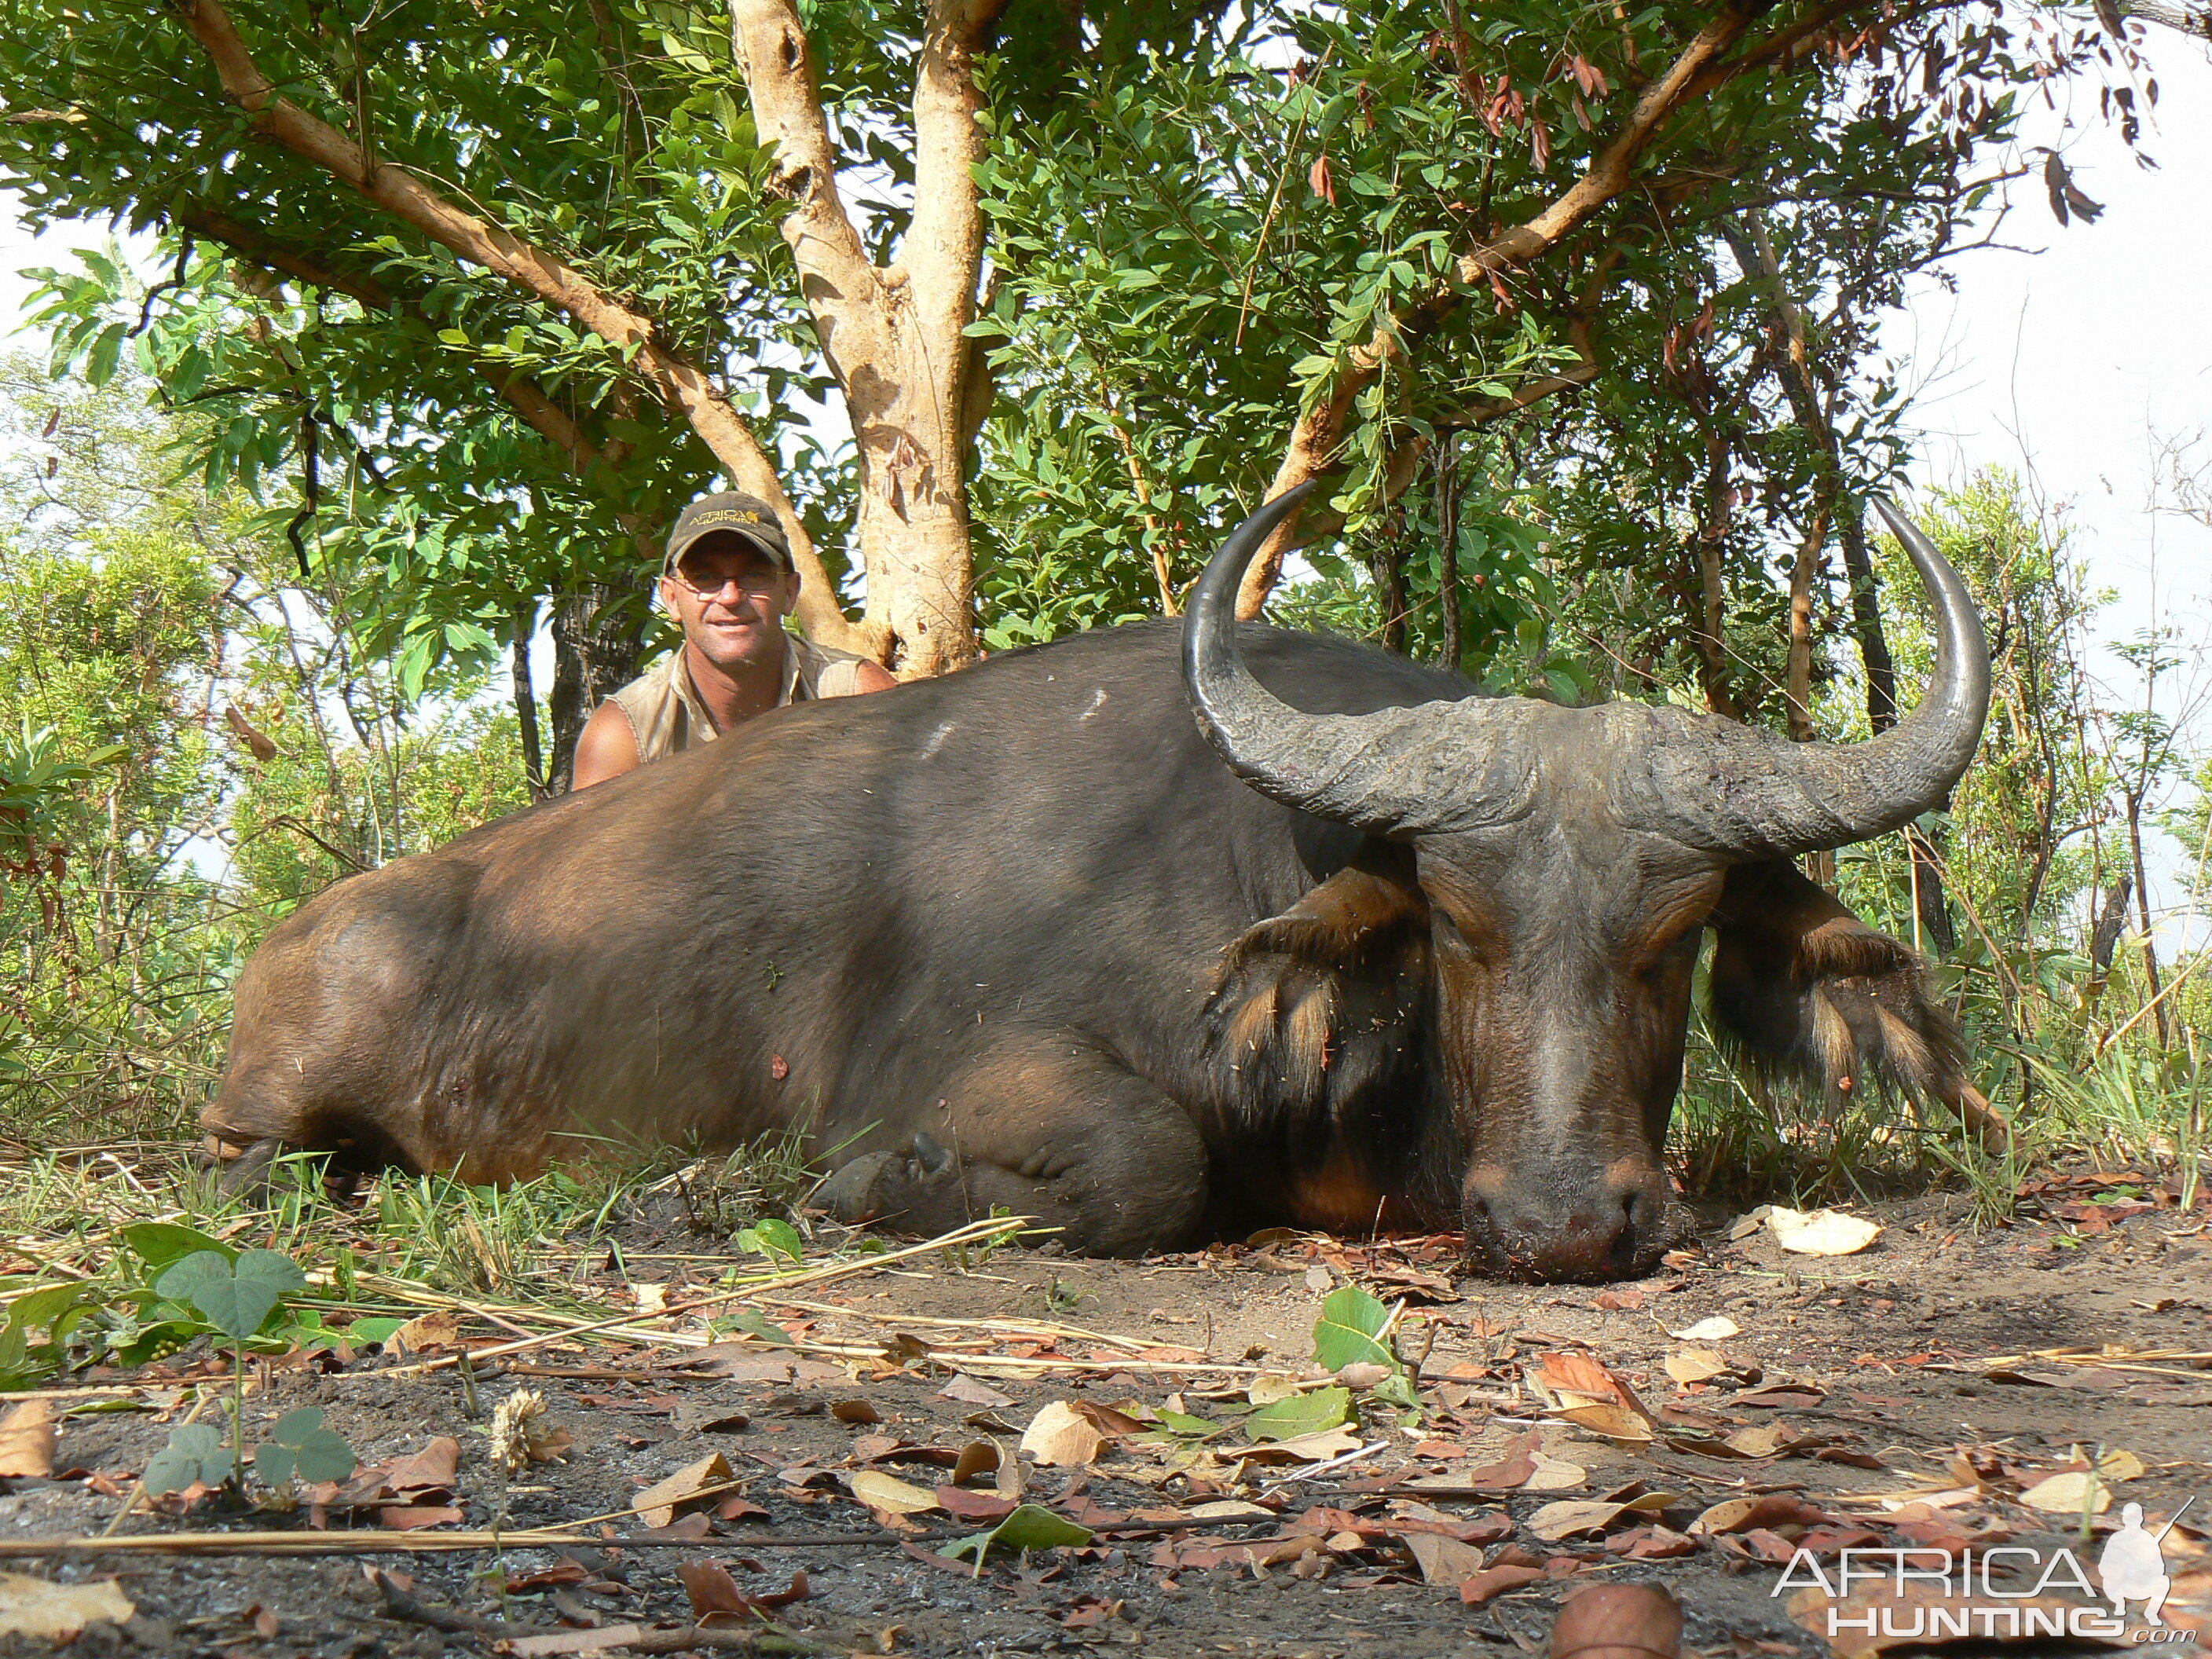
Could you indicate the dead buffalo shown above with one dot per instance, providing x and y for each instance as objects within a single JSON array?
[{"x": 1018, "y": 936}]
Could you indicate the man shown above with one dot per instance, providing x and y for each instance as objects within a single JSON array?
[{"x": 727, "y": 579}]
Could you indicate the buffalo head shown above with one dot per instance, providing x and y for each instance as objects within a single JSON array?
[{"x": 1569, "y": 859}]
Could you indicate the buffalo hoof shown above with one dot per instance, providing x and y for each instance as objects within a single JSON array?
[{"x": 877, "y": 1184}]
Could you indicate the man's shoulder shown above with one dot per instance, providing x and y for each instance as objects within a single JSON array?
[{"x": 824, "y": 655}]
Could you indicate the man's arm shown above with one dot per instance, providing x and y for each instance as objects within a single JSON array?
[
  {"x": 607, "y": 748},
  {"x": 872, "y": 677}
]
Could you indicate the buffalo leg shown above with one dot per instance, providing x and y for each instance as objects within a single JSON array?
[{"x": 1077, "y": 1142}]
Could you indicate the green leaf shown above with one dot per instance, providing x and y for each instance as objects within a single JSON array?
[
  {"x": 1028, "y": 1527},
  {"x": 324, "y": 1455},
  {"x": 1186, "y": 1427},
  {"x": 50, "y": 1306},
  {"x": 195, "y": 1452},
  {"x": 158, "y": 1243},
  {"x": 772, "y": 1237},
  {"x": 1350, "y": 1330},
  {"x": 296, "y": 1425},
  {"x": 233, "y": 1297},
  {"x": 753, "y": 1323},
  {"x": 1300, "y": 1413},
  {"x": 100, "y": 363},
  {"x": 362, "y": 1332},
  {"x": 273, "y": 1463}
]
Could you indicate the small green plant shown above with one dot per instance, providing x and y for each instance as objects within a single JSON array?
[
  {"x": 1356, "y": 1330},
  {"x": 772, "y": 1238},
  {"x": 239, "y": 1294}
]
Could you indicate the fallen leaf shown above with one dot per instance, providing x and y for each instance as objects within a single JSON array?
[
  {"x": 970, "y": 1392},
  {"x": 441, "y": 1330},
  {"x": 976, "y": 1457},
  {"x": 1741, "y": 1514},
  {"x": 658, "y": 1503},
  {"x": 1697, "y": 1365},
  {"x": 711, "y": 1588},
  {"x": 1317, "y": 1447},
  {"x": 855, "y": 1412},
  {"x": 974, "y": 1505},
  {"x": 1718, "y": 1329},
  {"x": 1574, "y": 1517},
  {"x": 2120, "y": 1464},
  {"x": 1027, "y": 1527},
  {"x": 39, "y": 1608},
  {"x": 1059, "y": 1436},
  {"x": 1822, "y": 1232},
  {"x": 574, "y": 1641},
  {"x": 1300, "y": 1415},
  {"x": 879, "y": 1490},
  {"x": 1495, "y": 1581},
  {"x": 1112, "y": 1423},
  {"x": 27, "y": 1440},
  {"x": 2069, "y": 1493},
  {"x": 1615, "y": 1423},
  {"x": 413, "y": 1517},
  {"x": 1230, "y": 1509},
  {"x": 1443, "y": 1560},
  {"x": 1554, "y": 1474}
]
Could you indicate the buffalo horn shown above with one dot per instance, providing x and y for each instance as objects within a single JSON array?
[
  {"x": 1749, "y": 794},
  {"x": 1705, "y": 781},
  {"x": 1393, "y": 769}
]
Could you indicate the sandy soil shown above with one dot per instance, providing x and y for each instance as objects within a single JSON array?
[{"x": 1886, "y": 1352}]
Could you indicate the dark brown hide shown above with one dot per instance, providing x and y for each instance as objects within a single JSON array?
[{"x": 1801, "y": 988}]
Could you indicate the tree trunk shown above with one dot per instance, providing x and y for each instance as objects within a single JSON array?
[
  {"x": 1389, "y": 567},
  {"x": 1448, "y": 599},
  {"x": 2143, "y": 915},
  {"x": 1811, "y": 555},
  {"x": 1707, "y": 629},
  {"x": 597, "y": 639},
  {"x": 526, "y": 706},
  {"x": 1866, "y": 626}
]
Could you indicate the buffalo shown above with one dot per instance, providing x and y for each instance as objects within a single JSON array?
[{"x": 1356, "y": 947}]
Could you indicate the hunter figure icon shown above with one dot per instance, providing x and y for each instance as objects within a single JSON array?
[{"x": 2134, "y": 1566}]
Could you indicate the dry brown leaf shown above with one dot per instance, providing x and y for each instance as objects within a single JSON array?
[
  {"x": 1317, "y": 1447},
  {"x": 1575, "y": 1516},
  {"x": 1059, "y": 1436},
  {"x": 1718, "y": 1329},
  {"x": 658, "y": 1503},
  {"x": 1821, "y": 1232},
  {"x": 440, "y": 1329},
  {"x": 1697, "y": 1365},
  {"x": 2120, "y": 1464},
  {"x": 1742, "y": 1513},
  {"x": 970, "y": 1392},
  {"x": 1554, "y": 1474},
  {"x": 879, "y": 1490},
  {"x": 602, "y": 1640},
  {"x": 855, "y": 1412},
  {"x": 1615, "y": 1423},
  {"x": 1483, "y": 1586},
  {"x": 976, "y": 1457},
  {"x": 1230, "y": 1509},
  {"x": 1443, "y": 1560},
  {"x": 45, "y": 1611},
  {"x": 27, "y": 1440},
  {"x": 2068, "y": 1494}
]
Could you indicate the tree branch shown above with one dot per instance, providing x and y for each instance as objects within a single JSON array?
[
  {"x": 2196, "y": 21},
  {"x": 1319, "y": 430},
  {"x": 679, "y": 382}
]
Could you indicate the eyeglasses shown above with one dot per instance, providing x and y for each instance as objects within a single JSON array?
[{"x": 755, "y": 579}]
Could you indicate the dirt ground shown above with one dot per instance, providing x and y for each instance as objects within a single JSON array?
[{"x": 1884, "y": 1354}]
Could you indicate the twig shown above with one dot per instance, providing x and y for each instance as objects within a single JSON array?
[
  {"x": 398, "y": 1604},
  {"x": 627, "y": 1324}
]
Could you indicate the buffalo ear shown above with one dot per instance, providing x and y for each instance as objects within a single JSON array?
[
  {"x": 1801, "y": 988},
  {"x": 1313, "y": 1008}
]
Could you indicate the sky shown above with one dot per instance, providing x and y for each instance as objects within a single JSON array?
[{"x": 2077, "y": 348}]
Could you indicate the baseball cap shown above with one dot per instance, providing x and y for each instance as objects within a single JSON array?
[{"x": 747, "y": 515}]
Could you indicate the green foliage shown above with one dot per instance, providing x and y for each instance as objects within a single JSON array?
[
  {"x": 1027, "y": 1527},
  {"x": 300, "y": 1446},
  {"x": 1353, "y": 1329},
  {"x": 196, "y": 1454},
  {"x": 235, "y": 1295},
  {"x": 1300, "y": 1413}
]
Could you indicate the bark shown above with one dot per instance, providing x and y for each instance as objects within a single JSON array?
[
  {"x": 1447, "y": 592},
  {"x": 679, "y": 383},
  {"x": 1698, "y": 70},
  {"x": 2195, "y": 20},
  {"x": 894, "y": 335},
  {"x": 596, "y": 640},
  {"x": 1866, "y": 626},
  {"x": 2142, "y": 917},
  {"x": 2112, "y": 922},
  {"x": 1708, "y": 635},
  {"x": 1802, "y": 576},
  {"x": 526, "y": 706}
]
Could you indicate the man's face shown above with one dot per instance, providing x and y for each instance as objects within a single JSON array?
[{"x": 731, "y": 598}]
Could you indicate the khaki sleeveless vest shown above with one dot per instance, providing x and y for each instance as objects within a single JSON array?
[{"x": 665, "y": 715}]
